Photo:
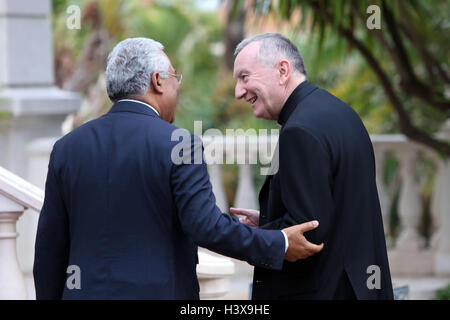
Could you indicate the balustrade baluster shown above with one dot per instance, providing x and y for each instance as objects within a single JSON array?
[{"x": 12, "y": 282}]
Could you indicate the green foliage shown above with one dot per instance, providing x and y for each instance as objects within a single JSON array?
[
  {"x": 207, "y": 94},
  {"x": 207, "y": 91},
  {"x": 187, "y": 35},
  {"x": 166, "y": 24},
  {"x": 72, "y": 40},
  {"x": 443, "y": 294},
  {"x": 59, "y": 6},
  {"x": 199, "y": 65},
  {"x": 333, "y": 67}
]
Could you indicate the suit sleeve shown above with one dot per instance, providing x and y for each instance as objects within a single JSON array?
[
  {"x": 201, "y": 219},
  {"x": 305, "y": 182},
  {"x": 52, "y": 242}
]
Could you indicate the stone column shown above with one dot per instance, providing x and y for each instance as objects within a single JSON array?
[
  {"x": 380, "y": 158},
  {"x": 214, "y": 273},
  {"x": 30, "y": 105},
  {"x": 442, "y": 255},
  {"x": 436, "y": 201},
  {"x": 245, "y": 194},
  {"x": 410, "y": 258}
]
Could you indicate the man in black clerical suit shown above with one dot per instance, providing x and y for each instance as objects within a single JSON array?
[{"x": 326, "y": 171}]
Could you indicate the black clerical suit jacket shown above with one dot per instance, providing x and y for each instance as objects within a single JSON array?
[{"x": 326, "y": 172}]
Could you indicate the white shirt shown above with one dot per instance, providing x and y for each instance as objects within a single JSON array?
[
  {"x": 146, "y": 104},
  {"x": 286, "y": 241}
]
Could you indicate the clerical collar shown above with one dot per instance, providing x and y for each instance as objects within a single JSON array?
[{"x": 299, "y": 93}]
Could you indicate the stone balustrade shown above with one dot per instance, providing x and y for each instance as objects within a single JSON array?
[
  {"x": 16, "y": 195},
  {"x": 214, "y": 273},
  {"x": 408, "y": 254}
]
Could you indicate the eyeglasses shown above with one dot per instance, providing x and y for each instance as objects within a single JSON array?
[{"x": 176, "y": 75}]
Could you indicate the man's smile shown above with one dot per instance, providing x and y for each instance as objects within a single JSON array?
[{"x": 252, "y": 100}]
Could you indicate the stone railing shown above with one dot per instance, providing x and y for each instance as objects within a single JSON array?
[
  {"x": 16, "y": 195},
  {"x": 408, "y": 253}
]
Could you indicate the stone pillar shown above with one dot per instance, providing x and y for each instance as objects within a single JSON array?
[
  {"x": 436, "y": 201},
  {"x": 442, "y": 255},
  {"x": 380, "y": 158},
  {"x": 37, "y": 154},
  {"x": 410, "y": 258},
  {"x": 30, "y": 105},
  {"x": 12, "y": 282},
  {"x": 214, "y": 273},
  {"x": 410, "y": 205},
  {"x": 245, "y": 194}
]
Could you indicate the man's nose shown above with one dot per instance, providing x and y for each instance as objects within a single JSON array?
[{"x": 239, "y": 91}]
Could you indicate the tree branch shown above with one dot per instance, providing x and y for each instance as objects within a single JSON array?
[
  {"x": 404, "y": 121},
  {"x": 413, "y": 36},
  {"x": 409, "y": 81}
]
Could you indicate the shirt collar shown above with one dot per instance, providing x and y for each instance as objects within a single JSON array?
[
  {"x": 133, "y": 100},
  {"x": 299, "y": 93}
]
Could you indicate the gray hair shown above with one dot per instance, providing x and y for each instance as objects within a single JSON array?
[
  {"x": 131, "y": 65},
  {"x": 273, "y": 47}
]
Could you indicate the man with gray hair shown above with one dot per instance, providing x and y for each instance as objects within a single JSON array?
[
  {"x": 121, "y": 214},
  {"x": 326, "y": 172}
]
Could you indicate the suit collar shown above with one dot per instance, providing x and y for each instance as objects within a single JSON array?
[
  {"x": 299, "y": 93},
  {"x": 133, "y": 106}
]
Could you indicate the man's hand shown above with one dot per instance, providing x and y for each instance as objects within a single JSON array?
[
  {"x": 299, "y": 247},
  {"x": 249, "y": 217}
]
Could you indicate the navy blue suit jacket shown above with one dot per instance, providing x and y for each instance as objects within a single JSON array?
[{"x": 117, "y": 207}]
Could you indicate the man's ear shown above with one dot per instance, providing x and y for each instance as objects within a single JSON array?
[
  {"x": 156, "y": 82},
  {"x": 284, "y": 68}
]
